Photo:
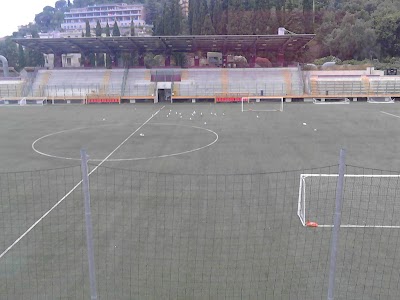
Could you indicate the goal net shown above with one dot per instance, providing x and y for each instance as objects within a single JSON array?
[
  {"x": 380, "y": 100},
  {"x": 262, "y": 103},
  {"x": 33, "y": 101},
  {"x": 368, "y": 200},
  {"x": 331, "y": 100}
]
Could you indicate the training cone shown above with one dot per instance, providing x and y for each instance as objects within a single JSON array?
[{"x": 311, "y": 224}]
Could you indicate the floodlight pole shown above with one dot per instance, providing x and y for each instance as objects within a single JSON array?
[
  {"x": 336, "y": 224},
  {"x": 89, "y": 228}
]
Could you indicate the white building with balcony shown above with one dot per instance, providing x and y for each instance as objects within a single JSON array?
[{"x": 123, "y": 13}]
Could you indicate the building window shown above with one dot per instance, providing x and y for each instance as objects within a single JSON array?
[{"x": 69, "y": 62}]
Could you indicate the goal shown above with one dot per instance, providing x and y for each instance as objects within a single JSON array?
[
  {"x": 262, "y": 103},
  {"x": 33, "y": 101},
  {"x": 380, "y": 100},
  {"x": 331, "y": 100},
  {"x": 368, "y": 200}
]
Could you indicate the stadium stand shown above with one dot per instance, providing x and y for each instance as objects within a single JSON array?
[
  {"x": 114, "y": 81},
  {"x": 11, "y": 88},
  {"x": 68, "y": 83},
  {"x": 266, "y": 82},
  {"x": 201, "y": 83},
  {"x": 338, "y": 85},
  {"x": 138, "y": 84},
  {"x": 385, "y": 85}
]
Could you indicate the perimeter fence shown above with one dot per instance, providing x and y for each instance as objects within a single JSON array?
[{"x": 187, "y": 236}]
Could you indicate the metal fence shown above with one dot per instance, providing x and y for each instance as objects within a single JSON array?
[{"x": 185, "y": 236}]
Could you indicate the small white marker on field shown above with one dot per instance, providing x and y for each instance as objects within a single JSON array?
[
  {"x": 315, "y": 129},
  {"x": 205, "y": 123},
  {"x": 141, "y": 134},
  {"x": 304, "y": 124}
]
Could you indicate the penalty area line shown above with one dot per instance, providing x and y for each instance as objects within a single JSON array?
[
  {"x": 389, "y": 114},
  {"x": 76, "y": 186}
]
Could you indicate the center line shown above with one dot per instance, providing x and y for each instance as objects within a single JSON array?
[{"x": 78, "y": 184}]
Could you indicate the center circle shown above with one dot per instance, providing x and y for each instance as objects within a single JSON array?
[{"x": 150, "y": 141}]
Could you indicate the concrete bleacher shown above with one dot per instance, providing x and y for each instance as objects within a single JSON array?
[
  {"x": 385, "y": 85},
  {"x": 138, "y": 83},
  {"x": 68, "y": 83},
  {"x": 339, "y": 85},
  {"x": 253, "y": 81},
  {"x": 201, "y": 82},
  {"x": 267, "y": 82},
  {"x": 115, "y": 82},
  {"x": 11, "y": 88}
]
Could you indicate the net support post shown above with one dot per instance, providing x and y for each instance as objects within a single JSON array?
[
  {"x": 88, "y": 221},
  {"x": 336, "y": 224}
]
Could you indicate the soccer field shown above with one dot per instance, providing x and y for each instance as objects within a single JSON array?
[{"x": 196, "y": 201}]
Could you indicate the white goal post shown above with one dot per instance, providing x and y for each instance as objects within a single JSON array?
[
  {"x": 331, "y": 100},
  {"x": 262, "y": 103},
  {"x": 33, "y": 101},
  {"x": 380, "y": 100},
  {"x": 369, "y": 201}
]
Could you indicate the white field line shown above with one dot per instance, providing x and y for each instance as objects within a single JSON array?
[
  {"x": 351, "y": 175},
  {"x": 362, "y": 226},
  {"x": 78, "y": 184},
  {"x": 389, "y": 114}
]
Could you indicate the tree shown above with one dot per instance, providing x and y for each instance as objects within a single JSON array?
[
  {"x": 132, "y": 28},
  {"x": 108, "y": 58},
  {"x": 388, "y": 33},
  {"x": 308, "y": 15},
  {"x": 108, "y": 33},
  {"x": 34, "y": 58},
  {"x": 151, "y": 11},
  {"x": 207, "y": 28},
  {"x": 60, "y": 4},
  {"x": 220, "y": 16},
  {"x": 176, "y": 17},
  {"x": 354, "y": 39},
  {"x": 197, "y": 12},
  {"x": 99, "y": 56},
  {"x": 87, "y": 29},
  {"x": 98, "y": 28},
  {"x": 21, "y": 58},
  {"x": 44, "y": 19},
  {"x": 9, "y": 49},
  {"x": 115, "y": 31}
]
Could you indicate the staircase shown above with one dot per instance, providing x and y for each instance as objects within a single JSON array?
[
  {"x": 225, "y": 81},
  {"x": 287, "y": 75},
  {"x": 46, "y": 75},
  {"x": 106, "y": 82}
]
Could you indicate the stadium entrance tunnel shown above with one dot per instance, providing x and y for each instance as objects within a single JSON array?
[{"x": 163, "y": 92}]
